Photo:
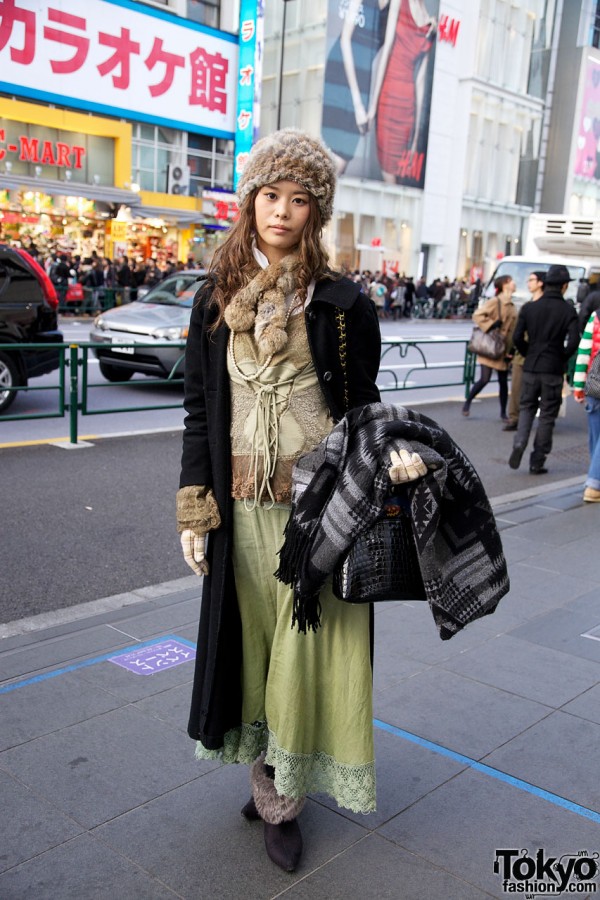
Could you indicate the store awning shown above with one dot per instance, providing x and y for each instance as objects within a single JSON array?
[
  {"x": 181, "y": 217},
  {"x": 69, "y": 189}
]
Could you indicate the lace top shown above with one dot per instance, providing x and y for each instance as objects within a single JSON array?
[{"x": 278, "y": 413}]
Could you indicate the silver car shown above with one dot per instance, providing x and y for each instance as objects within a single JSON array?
[{"x": 162, "y": 315}]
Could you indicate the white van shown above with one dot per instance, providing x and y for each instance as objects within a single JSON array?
[{"x": 520, "y": 267}]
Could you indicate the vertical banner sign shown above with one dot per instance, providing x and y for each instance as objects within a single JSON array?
[
  {"x": 587, "y": 150},
  {"x": 249, "y": 81},
  {"x": 378, "y": 84}
]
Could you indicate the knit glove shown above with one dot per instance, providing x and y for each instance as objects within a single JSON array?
[
  {"x": 406, "y": 466},
  {"x": 192, "y": 545}
]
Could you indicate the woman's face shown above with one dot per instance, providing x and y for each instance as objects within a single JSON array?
[{"x": 281, "y": 211}]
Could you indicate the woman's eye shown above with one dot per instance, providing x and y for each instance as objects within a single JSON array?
[{"x": 270, "y": 195}]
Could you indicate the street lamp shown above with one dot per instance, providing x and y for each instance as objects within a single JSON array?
[{"x": 285, "y": 3}]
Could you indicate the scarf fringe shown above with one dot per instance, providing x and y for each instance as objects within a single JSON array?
[
  {"x": 306, "y": 612},
  {"x": 293, "y": 556},
  {"x": 293, "y": 552}
]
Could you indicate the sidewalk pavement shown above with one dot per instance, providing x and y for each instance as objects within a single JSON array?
[{"x": 486, "y": 743}]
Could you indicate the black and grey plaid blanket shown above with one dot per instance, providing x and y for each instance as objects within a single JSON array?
[{"x": 339, "y": 490}]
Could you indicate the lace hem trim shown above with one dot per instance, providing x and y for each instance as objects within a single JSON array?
[
  {"x": 240, "y": 745},
  {"x": 297, "y": 774}
]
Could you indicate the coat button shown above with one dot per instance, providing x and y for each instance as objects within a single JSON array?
[
  {"x": 310, "y": 315},
  {"x": 327, "y": 376}
]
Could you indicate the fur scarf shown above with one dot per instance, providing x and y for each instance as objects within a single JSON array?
[{"x": 261, "y": 304}]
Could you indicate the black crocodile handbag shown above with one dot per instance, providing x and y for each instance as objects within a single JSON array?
[{"x": 382, "y": 563}]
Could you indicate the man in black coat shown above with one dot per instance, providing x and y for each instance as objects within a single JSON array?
[{"x": 547, "y": 335}]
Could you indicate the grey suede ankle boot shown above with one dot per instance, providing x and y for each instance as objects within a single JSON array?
[
  {"x": 283, "y": 843},
  {"x": 250, "y": 812}
]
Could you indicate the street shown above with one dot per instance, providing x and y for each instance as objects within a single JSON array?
[
  {"x": 141, "y": 392},
  {"x": 85, "y": 524}
]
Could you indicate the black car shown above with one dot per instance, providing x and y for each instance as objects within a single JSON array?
[{"x": 28, "y": 315}]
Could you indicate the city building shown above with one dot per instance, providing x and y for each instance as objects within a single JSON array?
[
  {"x": 459, "y": 120},
  {"x": 123, "y": 126}
]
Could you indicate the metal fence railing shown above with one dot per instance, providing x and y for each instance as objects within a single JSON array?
[
  {"x": 90, "y": 301},
  {"x": 405, "y": 365}
]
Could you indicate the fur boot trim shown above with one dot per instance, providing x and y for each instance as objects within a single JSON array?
[
  {"x": 272, "y": 807},
  {"x": 261, "y": 305}
]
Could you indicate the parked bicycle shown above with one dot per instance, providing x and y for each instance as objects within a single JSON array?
[{"x": 422, "y": 308}]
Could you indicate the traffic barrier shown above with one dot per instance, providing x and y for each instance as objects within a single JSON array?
[{"x": 404, "y": 366}]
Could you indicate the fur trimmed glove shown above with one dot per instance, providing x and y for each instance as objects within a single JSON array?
[
  {"x": 197, "y": 513},
  {"x": 197, "y": 509}
]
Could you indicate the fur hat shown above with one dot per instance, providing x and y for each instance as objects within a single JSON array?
[{"x": 291, "y": 155}]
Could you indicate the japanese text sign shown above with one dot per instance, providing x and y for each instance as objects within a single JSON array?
[
  {"x": 116, "y": 57},
  {"x": 249, "y": 81},
  {"x": 221, "y": 205},
  {"x": 155, "y": 657}
]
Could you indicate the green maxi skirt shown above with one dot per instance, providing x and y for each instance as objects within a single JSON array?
[{"x": 307, "y": 699}]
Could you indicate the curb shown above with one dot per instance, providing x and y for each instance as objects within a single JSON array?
[
  {"x": 152, "y": 592},
  {"x": 96, "y": 607}
]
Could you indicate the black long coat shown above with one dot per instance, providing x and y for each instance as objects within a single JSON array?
[
  {"x": 206, "y": 460},
  {"x": 547, "y": 333}
]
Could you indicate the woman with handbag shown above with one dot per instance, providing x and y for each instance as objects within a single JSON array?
[
  {"x": 498, "y": 314},
  {"x": 279, "y": 348},
  {"x": 586, "y": 389}
]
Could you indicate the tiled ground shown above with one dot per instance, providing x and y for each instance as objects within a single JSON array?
[{"x": 101, "y": 796}]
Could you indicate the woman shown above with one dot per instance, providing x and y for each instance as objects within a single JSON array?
[
  {"x": 398, "y": 97},
  {"x": 500, "y": 312},
  {"x": 279, "y": 348},
  {"x": 589, "y": 348}
]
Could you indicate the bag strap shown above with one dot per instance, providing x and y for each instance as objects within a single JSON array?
[{"x": 340, "y": 319}]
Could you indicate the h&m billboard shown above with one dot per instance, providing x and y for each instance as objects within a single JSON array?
[{"x": 378, "y": 83}]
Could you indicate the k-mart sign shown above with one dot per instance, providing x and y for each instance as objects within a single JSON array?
[{"x": 109, "y": 56}]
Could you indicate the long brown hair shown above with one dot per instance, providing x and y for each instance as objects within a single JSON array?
[{"x": 233, "y": 264}]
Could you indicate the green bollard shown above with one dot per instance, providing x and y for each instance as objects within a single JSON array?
[{"x": 73, "y": 392}]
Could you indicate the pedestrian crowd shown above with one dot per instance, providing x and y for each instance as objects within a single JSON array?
[
  {"x": 92, "y": 283},
  {"x": 397, "y": 296}
]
